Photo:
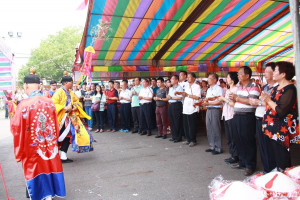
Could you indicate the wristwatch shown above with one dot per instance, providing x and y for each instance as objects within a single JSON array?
[{"x": 260, "y": 103}]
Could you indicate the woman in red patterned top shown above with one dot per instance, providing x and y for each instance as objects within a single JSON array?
[{"x": 280, "y": 122}]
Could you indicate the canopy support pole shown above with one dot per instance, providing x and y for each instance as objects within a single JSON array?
[{"x": 294, "y": 10}]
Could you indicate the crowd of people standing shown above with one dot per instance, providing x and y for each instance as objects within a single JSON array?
[{"x": 249, "y": 111}]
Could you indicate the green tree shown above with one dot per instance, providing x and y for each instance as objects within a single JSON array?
[{"x": 54, "y": 56}]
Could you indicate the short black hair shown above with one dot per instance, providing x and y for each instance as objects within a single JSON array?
[
  {"x": 111, "y": 81},
  {"x": 247, "y": 70},
  {"x": 161, "y": 79},
  {"x": 234, "y": 77},
  {"x": 138, "y": 78},
  {"x": 53, "y": 82},
  {"x": 185, "y": 73},
  {"x": 272, "y": 65},
  {"x": 41, "y": 82},
  {"x": 286, "y": 67},
  {"x": 153, "y": 79},
  {"x": 176, "y": 76},
  {"x": 147, "y": 80},
  {"x": 85, "y": 83},
  {"x": 126, "y": 81},
  {"x": 214, "y": 75},
  {"x": 193, "y": 74}
]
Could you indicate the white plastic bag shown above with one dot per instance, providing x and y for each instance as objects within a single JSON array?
[
  {"x": 233, "y": 190},
  {"x": 277, "y": 185},
  {"x": 293, "y": 173}
]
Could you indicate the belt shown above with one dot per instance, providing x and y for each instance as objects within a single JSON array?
[
  {"x": 144, "y": 103},
  {"x": 111, "y": 103},
  {"x": 244, "y": 113},
  {"x": 174, "y": 102},
  {"x": 124, "y": 103},
  {"x": 211, "y": 108},
  {"x": 259, "y": 118}
]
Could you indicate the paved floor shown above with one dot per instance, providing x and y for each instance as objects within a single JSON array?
[{"x": 129, "y": 166}]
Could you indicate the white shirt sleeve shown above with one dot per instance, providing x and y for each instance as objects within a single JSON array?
[{"x": 197, "y": 91}]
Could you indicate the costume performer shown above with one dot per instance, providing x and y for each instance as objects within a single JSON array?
[
  {"x": 69, "y": 111},
  {"x": 35, "y": 130},
  {"x": 11, "y": 104}
]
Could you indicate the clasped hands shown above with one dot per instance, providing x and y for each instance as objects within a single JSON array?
[{"x": 70, "y": 107}]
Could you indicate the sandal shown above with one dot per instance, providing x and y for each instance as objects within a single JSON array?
[{"x": 97, "y": 131}]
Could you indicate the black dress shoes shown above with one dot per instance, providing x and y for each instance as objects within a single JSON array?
[
  {"x": 66, "y": 161},
  {"x": 143, "y": 133},
  {"x": 176, "y": 141},
  {"x": 248, "y": 172},
  {"x": 158, "y": 136},
  {"x": 231, "y": 160},
  {"x": 134, "y": 132},
  {"x": 164, "y": 137},
  {"x": 171, "y": 140},
  {"x": 214, "y": 152},
  {"x": 209, "y": 150},
  {"x": 237, "y": 166}
]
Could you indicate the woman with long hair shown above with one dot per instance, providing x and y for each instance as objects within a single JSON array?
[{"x": 100, "y": 98}]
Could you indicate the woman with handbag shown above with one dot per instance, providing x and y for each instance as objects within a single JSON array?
[{"x": 99, "y": 100}]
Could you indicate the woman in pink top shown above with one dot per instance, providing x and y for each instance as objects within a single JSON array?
[{"x": 227, "y": 115}]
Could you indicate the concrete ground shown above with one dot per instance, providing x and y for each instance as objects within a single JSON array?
[{"x": 129, "y": 166}]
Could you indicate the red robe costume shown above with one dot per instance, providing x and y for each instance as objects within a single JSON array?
[{"x": 35, "y": 130}]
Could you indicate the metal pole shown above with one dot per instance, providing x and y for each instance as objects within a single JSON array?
[{"x": 294, "y": 10}]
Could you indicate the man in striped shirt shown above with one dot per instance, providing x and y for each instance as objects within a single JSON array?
[{"x": 244, "y": 121}]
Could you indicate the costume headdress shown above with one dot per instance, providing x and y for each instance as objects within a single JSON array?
[
  {"x": 66, "y": 78},
  {"x": 32, "y": 78}
]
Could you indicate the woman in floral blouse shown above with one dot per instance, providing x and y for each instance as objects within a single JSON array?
[{"x": 280, "y": 122}]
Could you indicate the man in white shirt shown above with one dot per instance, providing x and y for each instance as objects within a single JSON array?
[
  {"x": 78, "y": 92},
  {"x": 175, "y": 109},
  {"x": 145, "y": 97},
  {"x": 125, "y": 101},
  {"x": 213, "y": 115},
  {"x": 183, "y": 82},
  {"x": 191, "y": 95}
]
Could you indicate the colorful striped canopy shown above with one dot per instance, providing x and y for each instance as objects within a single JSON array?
[
  {"x": 199, "y": 36},
  {"x": 6, "y": 79}
]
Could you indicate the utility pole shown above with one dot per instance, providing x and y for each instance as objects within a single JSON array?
[{"x": 294, "y": 10}]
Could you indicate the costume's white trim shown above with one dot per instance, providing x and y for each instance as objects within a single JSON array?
[
  {"x": 63, "y": 120},
  {"x": 44, "y": 157},
  {"x": 65, "y": 133}
]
